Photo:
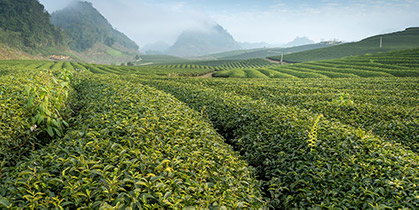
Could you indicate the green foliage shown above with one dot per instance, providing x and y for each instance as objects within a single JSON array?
[
  {"x": 396, "y": 63},
  {"x": 347, "y": 169},
  {"x": 160, "y": 59},
  {"x": 46, "y": 103},
  {"x": 384, "y": 106},
  {"x": 235, "y": 73},
  {"x": 275, "y": 74},
  {"x": 131, "y": 146},
  {"x": 29, "y": 118},
  {"x": 26, "y": 23},
  {"x": 114, "y": 53},
  {"x": 310, "y": 143}
]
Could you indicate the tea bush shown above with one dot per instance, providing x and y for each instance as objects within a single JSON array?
[
  {"x": 32, "y": 105},
  {"x": 348, "y": 168},
  {"x": 385, "y": 106},
  {"x": 131, "y": 146}
]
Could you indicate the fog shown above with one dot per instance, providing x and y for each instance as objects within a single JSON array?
[{"x": 272, "y": 21}]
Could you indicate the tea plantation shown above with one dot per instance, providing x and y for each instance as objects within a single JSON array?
[
  {"x": 329, "y": 134},
  {"x": 402, "y": 63}
]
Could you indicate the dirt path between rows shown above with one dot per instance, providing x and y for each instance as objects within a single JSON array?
[{"x": 208, "y": 75}]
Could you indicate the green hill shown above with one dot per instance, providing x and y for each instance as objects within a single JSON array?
[
  {"x": 80, "y": 33},
  {"x": 401, "y": 63},
  {"x": 408, "y": 38},
  {"x": 159, "y": 59},
  {"x": 263, "y": 52},
  {"x": 25, "y": 26},
  {"x": 92, "y": 36}
]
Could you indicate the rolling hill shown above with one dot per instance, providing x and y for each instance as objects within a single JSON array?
[
  {"x": 400, "y": 63},
  {"x": 406, "y": 39},
  {"x": 92, "y": 35},
  {"x": 262, "y": 52},
  {"x": 26, "y": 30}
]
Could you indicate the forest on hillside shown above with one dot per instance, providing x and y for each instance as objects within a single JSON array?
[{"x": 26, "y": 23}]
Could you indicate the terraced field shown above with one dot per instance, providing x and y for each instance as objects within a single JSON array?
[
  {"x": 331, "y": 134},
  {"x": 393, "y": 64}
]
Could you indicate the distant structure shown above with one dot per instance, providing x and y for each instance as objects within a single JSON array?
[
  {"x": 59, "y": 57},
  {"x": 381, "y": 42},
  {"x": 332, "y": 42}
]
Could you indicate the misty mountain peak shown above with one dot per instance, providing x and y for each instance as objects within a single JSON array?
[
  {"x": 299, "y": 41},
  {"x": 86, "y": 26},
  {"x": 196, "y": 42}
]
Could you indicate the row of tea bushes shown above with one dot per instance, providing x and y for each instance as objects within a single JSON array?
[
  {"x": 32, "y": 103},
  {"x": 130, "y": 146},
  {"x": 14, "y": 120},
  {"x": 306, "y": 160},
  {"x": 388, "y": 107}
]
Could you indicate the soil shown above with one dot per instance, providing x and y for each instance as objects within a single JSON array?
[{"x": 208, "y": 75}]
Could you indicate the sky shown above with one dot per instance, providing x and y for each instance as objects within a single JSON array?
[{"x": 271, "y": 21}]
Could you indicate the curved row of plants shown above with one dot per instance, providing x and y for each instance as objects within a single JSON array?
[
  {"x": 130, "y": 146},
  {"x": 306, "y": 160},
  {"x": 387, "y": 107},
  {"x": 391, "y": 64}
]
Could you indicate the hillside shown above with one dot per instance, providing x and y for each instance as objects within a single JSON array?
[
  {"x": 92, "y": 35},
  {"x": 263, "y": 52},
  {"x": 406, "y": 39},
  {"x": 149, "y": 137},
  {"x": 159, "y": 59},
  {"x": 194, "y": 43},
  {"x": 401, "y": 63},
  {"x": 25, "y": 28}
]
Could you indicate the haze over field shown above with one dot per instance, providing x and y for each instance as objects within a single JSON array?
[{"x": 271, "y": 21}]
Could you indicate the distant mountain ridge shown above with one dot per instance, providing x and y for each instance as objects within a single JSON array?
[
  {"x": 86, "y": 26},
  {"x": 299, "y": 41},
  {"x": 194, "y": 43}
]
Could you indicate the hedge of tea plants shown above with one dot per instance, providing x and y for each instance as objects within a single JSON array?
[
  {"x": 32, "y": 107},
  {"x": 387, "y": 107},
  {"x": 130, "y": 146},
  {"x": 129, "y": 137},
  {"x": 391, "y": 64},
  {"x": 304, "y": 159}
]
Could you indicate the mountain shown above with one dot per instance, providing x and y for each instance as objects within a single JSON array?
[
  {"x": 400, "y": 40},
  {"x": 26, "y": 25},
  {"x": 212, "y": 39},
  {"x": 92, "y": 35},
  {"x": 299, "y": 41}
]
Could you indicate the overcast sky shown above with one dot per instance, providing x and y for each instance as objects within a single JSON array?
[{"x": 272, "y": 21}]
